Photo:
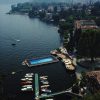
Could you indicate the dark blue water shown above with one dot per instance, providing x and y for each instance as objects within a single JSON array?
[
  {"x": 36, "y": 38},
  {"x": 33, "y": 38}
]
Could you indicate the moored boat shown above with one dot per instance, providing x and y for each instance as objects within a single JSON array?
[
  {"x": 30, "y": 74},
  {"x": 27, "y": 89},
  {"x": 46, "y": 90},
  {"x": 27, "y": 86},
  {"x": 45, "y": 82},
  {"x": 26, "y": 79},
  {"x": 26, "y": 83},
  {"x": 13, "y": 44},
  {"x": 43, "y": 76},
  {"x": 45, "y": 86}
]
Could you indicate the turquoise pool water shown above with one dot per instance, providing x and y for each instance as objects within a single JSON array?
[{"x": 41, "y": 60}]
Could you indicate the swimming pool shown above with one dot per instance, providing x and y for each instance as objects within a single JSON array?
[{"x": 41, "y": 60}]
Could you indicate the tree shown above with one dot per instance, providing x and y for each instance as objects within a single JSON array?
[
  {"x": 77, "y": 34},
  {"x": 89, "y": 97},
  {"x": 96, "y": 9},
  {"x": 65, "y": 26},
  {"x": 56, "y": 18},
  {"x": 97, "y": 20},
  {"x": 89, "y": 44},
  {"x": 31, "y": 14},
  {"x": 92, "y": 97},
  {"x": 42, "y": 14}
]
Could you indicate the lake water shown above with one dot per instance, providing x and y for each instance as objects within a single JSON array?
[{"x": 33, "y": 38}]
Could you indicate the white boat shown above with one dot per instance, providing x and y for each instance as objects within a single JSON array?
[
  {"x": 27, "y": 89},
  {"x": 13, "y": 73},
  {"x": 27, "y": 86},
  {"x": 18, "y": 40},
  {"x": 43, "y": 76},
  {"x": 49, "y": 99},
  {"x": 25, "y": 79},
  {"x": 30, "y": 74},
  {"x": 45, "y": 82},
  {"x": 46, "y": 90},
  {"x": 45, "y": 86}
]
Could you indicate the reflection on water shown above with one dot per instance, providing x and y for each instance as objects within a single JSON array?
[{"x": 32, "y": 38}]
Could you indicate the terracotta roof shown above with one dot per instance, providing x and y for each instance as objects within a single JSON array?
[
  {"x": 85, "y": 24},
  {"x": 96, "y": 74}
]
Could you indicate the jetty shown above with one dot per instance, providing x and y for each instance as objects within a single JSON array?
[
  {"x": 68, "y": 92},
  {"x": 36, "y": 87}
]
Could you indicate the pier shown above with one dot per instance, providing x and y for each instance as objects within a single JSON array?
[
  {"x": 68, "y": 91},
  {"x": 36, "y": 87},
  {"x": 38, "y": 96}
]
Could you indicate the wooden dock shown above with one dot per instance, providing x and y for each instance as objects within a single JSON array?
[{"x": 36, "y": 87}]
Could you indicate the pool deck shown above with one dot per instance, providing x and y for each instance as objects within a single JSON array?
[{"x": 27, "y": 61}]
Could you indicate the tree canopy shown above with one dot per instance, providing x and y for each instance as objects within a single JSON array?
[{"x": 89, "y": 44}]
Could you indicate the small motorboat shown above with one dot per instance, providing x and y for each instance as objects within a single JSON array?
[
  {"x": 26, "y": 83},
  {"x": 43, "y": 76},
  {"x": 18, "y": 40},
  {"x": 30, "y": 74},
  {"x": 26, "y": 79},
  {"x": 13, "y": 73},
  {"x": 46, "y": 90},
  {"x": 27, "y": 89},
  {"x": 27, "y": 86},
  {"x": 13, "y": 44},
  {"x": 45, "y": 82},
  {"x": 45, "y": 86}
]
